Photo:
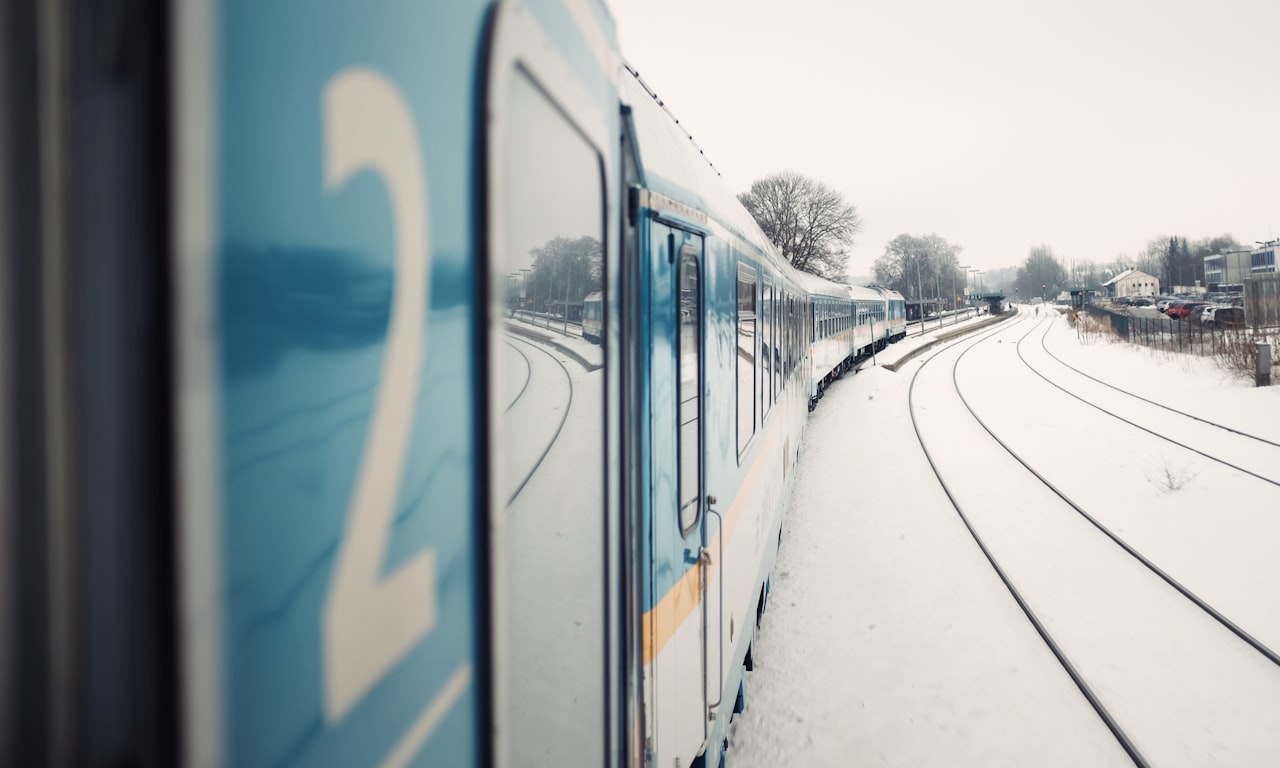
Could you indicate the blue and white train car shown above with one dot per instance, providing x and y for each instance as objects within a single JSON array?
[
  {"x": 593, "y": 317},
  {"x": 832, "y": 332},
  {"x": 278, "y": 481},
  {"x": 887, "y": 314},
  {"x": 286, "y": 477},
  {"x": 728, "y": 320},
  {"x": 894, "y": 325},
  {"x": 868, "y": 316}
]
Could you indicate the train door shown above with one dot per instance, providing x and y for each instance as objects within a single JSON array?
[
  {"x": 553, "y": 520},
  {"x": 675, "y": 645}
]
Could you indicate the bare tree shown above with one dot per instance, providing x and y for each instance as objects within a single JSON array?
[
  {"x": 1041, "y": 275},
  {"x": 920, "y": 267},
  {"x": 808, "y": 221},
  {"x": 564, "y": 271}
]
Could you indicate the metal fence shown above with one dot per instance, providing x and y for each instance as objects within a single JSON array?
[{"x": 1168, "y": 334}]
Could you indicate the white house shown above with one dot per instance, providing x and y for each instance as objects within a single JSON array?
[{"x": 1131, "y": 282}]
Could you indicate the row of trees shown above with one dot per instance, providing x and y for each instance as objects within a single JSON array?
[
  {"x": 1041, "y": 275},
  {"x": 814, "y": 226},
  {"x": 922, "y": 267},
  {"x": 563, "y": 271},
  {"x": 1176, "y": 261}
]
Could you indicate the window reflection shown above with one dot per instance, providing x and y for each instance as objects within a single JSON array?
[
  {"x": 550, "y": 446},
  {"x": 746, "y": 355},
  {"x": 690, "y": 388}
]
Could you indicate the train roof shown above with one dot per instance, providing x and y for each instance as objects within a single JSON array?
[
  {"x": 885, "y": 291},
  {"x": 673, "y": 165}
]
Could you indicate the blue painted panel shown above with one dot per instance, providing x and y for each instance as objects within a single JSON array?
[{"x": 306, "y": 280}]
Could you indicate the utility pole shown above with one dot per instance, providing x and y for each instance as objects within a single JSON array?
[
  {"x": 937, "y": 292},
  {"x": 564, "y": 311},
  {"x": 920, "y": 295}
]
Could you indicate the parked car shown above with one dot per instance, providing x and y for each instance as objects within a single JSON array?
[
  {"x": 1224, "y": 317},
  {"x": 1198, "y": 311},
  {"x": 1164, "y": 302},
  {"x": 1183, "y": 308}
]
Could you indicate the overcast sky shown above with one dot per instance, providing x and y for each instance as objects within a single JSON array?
[{"x": 1091, "y": 126}]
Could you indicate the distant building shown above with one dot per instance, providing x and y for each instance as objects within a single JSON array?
[
  {"x": 1132, "y": 282},
  {"x": 1229, "y": 267},
  {"x": 1262, "y": 260}
]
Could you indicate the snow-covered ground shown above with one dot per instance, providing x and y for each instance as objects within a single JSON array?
[{"x": 889, "y": 638}]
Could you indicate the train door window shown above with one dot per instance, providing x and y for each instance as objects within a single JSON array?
[
  {"x": 766, "y": 348},
  {"x": 690, "y": 343},
  {"x": 549, "y": 416},
  {"x": 784, "y": 327},
  {"x": 791, "y": 334},
  {"x": 794, "y": 333},
  {"x": 779, "y": 335},
  {"x": 746, "y": 356},
  {"x": 786, "y": 333}
]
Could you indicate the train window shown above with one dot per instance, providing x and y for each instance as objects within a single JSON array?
[
  {"x": 766, "y": 349},
  {"x": 550, "y": 421},
  {"x": 784, "y": 307},
  {"x": 787, "y": 326},
  {"x": 794, "y": 340},
  {"x": 779, "y": 340},
  {"x": 746, "y": 356},
  {"x": 690, "y": 341}
]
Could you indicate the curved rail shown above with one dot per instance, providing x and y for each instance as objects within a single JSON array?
[
  {"x": 528, "y": 374},
  {"x": 1125, "y": 742},
  {"x": 1231, "y": 626},
  {"x": 1136, "y": 425},
  {"x": 559, "y": 427},
  {"x": 1071, "y": 367}
]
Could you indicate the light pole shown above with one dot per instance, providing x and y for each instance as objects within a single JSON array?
[
  {"x": 953, "y": 288},
  {"x": 919, "y": 295},
  {"x": 564, "y": 311},
  {"x": 524, "y": 290},
  {"x": 937, "y": 291},
  {"x": 511, "y": 292}
]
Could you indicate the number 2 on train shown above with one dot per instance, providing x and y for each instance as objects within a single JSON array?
[{"x": 369, "y": 623}]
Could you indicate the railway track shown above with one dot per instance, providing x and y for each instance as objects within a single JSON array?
[
  {"x": 1171, "y": 409},
  {"x": 1090, "y": 595},
  {"x": 537, "y": 421},
  {"x": 1262, "y": 455}
]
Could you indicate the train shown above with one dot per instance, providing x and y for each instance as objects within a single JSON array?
[{"x": 285, "y": 479}]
